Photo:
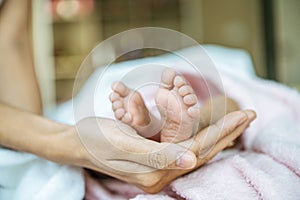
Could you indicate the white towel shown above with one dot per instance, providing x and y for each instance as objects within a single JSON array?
[{"x": 25, "y": 176}]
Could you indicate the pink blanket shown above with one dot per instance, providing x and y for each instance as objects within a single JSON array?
[{"x": 267, "y": 168}]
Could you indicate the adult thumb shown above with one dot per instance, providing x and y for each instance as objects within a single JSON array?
[{"x": 162, "y": 155}]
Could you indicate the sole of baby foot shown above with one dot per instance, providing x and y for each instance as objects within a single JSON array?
[
  {"x": 176, "y": 102},
  {"x": 129, "y": 107}
]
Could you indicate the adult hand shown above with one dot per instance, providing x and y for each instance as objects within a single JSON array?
[
  {"x": 206, "y": 144},
  {"x": 134, "y": 159},
  {"x": 111, "y": 144}
]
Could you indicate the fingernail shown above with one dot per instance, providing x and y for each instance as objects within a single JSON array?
[
  {"x": 186, "y": 160},
  {"x": 242, "y": 119},
  {"x": 251, "y": 114}
]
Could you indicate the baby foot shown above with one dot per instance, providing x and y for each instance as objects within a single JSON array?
[
  {"x": 176, "y": 102},
  {"x": 129, "y": 107}
]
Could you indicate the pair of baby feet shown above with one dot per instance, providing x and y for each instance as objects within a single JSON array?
[{"x": 176, "y": 102}]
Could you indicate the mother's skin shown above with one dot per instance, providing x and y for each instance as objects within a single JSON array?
[
  {"x": 22, "y": 128},
  {"x": 127, "y": 166}
]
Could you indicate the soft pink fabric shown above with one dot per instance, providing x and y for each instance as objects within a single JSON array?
[{"x": 268, "y": 168}]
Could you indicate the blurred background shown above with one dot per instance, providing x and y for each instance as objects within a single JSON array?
[{"x": 65, "y": 31}]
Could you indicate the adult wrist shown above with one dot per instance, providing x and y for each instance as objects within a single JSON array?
[{"x": 65, "y": 148}]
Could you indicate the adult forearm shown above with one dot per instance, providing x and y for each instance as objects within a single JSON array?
[{"x": 24, "y": 131}]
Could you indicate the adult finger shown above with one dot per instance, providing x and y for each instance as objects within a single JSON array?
[
  {"x": 229, "y": 127},
  {"x": 160, "y": 155},
  {"x": 224, "y": 132}
]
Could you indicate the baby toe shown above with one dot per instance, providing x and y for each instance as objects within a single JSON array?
[
  {"x": 119, "y": 113},
  {"x": 179, "y": 81},
  {"x": 190, "y": 99},
  {"x": 127, "y": 118},
  {"x": 117, "y": 104},
  {"x": 120, "y": 88},
  {"x": 193, "y": 111},
  {"x": 167, "y": 77},
  {"x": 114, "y": 96},
  {"x": 185, "y": 90}
]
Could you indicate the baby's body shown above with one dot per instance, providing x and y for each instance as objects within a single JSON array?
[{"x": 176, "y": 102}]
